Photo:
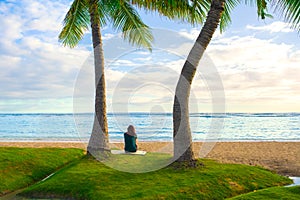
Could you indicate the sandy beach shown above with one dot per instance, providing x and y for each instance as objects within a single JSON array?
[{"x": 282, "y": 157}]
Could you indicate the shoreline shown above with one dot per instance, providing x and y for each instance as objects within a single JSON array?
[{"x": 281, "y": 157}]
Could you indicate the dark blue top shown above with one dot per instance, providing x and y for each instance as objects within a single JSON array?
[{"x": 130, "y": 143}]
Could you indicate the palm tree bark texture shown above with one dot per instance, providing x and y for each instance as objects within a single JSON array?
[{"x": 182, "y": 136}]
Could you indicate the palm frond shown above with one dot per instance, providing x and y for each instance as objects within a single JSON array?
[
  {"x": 103, "y": 12},
  {"x": 262, "y": 7},
  {"x": 198, "y": 11},
  {"x": 169, "y": 8},
  {"x": 226, "y": 19},
  {"x": 76, "y": 22},
  {"x": 126, "y": 19},
  {"x": 289, "y": 10},
  {"x": 192, "y": 11}
]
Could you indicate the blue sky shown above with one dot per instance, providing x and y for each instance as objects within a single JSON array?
[{"x": 258, "y": 61}]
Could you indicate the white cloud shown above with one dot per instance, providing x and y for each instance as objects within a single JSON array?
[
  {"x": 192, "y": 34},
  {"x": 144, "y": 59},
  {"x": 257, "y": 72},
  {"x": 33, "y": 64},
  {"x": 121, "y": 62},
  {"x": 107, "y": 36},
  {"x": 274, "y": 27},
  {"x": 11, "y": 27},
  {"x": 250, "y": 53},
  {"x": 9, "y": 61},
  {"x": 44, "y": 15}
]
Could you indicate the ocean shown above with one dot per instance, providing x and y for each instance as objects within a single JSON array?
[{"x": 152, "y": 126}]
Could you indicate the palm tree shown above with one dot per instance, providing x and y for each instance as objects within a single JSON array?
[
  {"x": 97, "y": 13},
  {"x": 181, "y": 127},
  {"x": 218, "y": 14}
]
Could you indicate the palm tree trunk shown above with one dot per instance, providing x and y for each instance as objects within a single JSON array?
[
  {"x": 182, "y": 135},
  {"x": 99, "y": 138}
]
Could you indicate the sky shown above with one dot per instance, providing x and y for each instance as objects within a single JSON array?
[{"x": 257, "y": 61}]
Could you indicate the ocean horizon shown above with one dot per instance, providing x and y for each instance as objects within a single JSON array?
[{"x": 151, "y": 126}]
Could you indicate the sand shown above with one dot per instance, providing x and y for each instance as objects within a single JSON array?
[{"x": 281, "y": 157}]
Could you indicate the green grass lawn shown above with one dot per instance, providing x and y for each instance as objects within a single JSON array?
[
  {"x": 138, "y": 163},
  {"x": 283, "y": 193},
  {"x": 21, "y": 167},
  {"x": 90, "y": 179}
]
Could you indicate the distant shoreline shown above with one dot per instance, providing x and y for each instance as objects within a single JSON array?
[{"x": 282, "y": 157}]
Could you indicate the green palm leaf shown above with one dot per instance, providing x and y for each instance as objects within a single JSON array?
[
  {"x": 289, "y": 10},
  {"x": 261, "y": 6},
  {"x": 125, "y": 18},
  {"x": 193, "y": 11},
  {"x": 75, "y": 23},
  {"x": 198, "y": 11},
  {"x": 225, "y": 18},
  {"x": 103, "y": 12}
]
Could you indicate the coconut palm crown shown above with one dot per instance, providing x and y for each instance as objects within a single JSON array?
[{"x": 121, "y": 14}]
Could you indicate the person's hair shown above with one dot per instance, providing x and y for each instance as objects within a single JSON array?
[{"x": 131, "y": 130}]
